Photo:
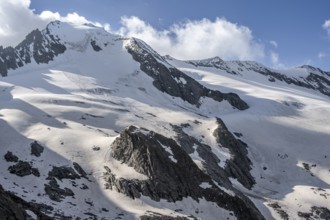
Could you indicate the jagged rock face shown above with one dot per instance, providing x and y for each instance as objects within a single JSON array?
[
  {"x": 172, "y": 174},
  {"x": 211, "y": 165},
  {"x": 14, "y": 208},
  {"x": 215, "y": 62},
  {"x": 23, "y": 168},
  {"x": 316, "y": 213},
  {"x": 146, "y": 154},
  {"x": 170, "y": 80},
  {"x": 316, "y": 79},
  {"x": 319, "y": 81},
  {"x": 39, "y": 46},
  {"x": 240, "y": 165},
  {"x": 212, "y": 62},
  {"x": 63, "y": 172},
  {"x": 53, "y": 189}
]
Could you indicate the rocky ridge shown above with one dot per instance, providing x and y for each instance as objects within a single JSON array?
[
  {"x": 316, "y": 79},
  {"x": 172, "y": 174},
  {"x": 38, "y": 46},
  {"x": 172, "y": 81}
]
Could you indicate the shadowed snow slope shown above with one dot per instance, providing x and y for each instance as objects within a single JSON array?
[{"x": 96, "y": 126}]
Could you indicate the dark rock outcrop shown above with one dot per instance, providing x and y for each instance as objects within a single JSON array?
[
  {"x": 39, "y": 46},
  {"x": 239, "y": 165},
  {"x": 10, "y": 157},
  {"x": 63, "y": 172},
  {"x": 172, "y": 81},
  {"x": 13, "y": 207},
  {"x": 54, "y": 191},
  {"x": 95, "y": 46},
  {"x": 23, "y": 168},
  {"x": 36, "y": 149},
  {"x": 237, "y": 161},
  {"x": 210, "y": 161},
  {"x": 172, "y": 174},
  {"x": 316, "y": 79},
  {"x": 316, "y": 213},
  {"x": 80, "y": 170},
  {"x": 214, "y": 62},
  {"x": 157, "y": 216}
]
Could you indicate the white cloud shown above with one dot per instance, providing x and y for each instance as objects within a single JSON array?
[
  {"x": 274, "y": 58},
  {"x": 17, "y": 20},
  {"x": 70, "y": 17},
  {"x": 197, "y": 39},
  {"x": 326, "y": 26},
  {"x": 274, "y": 43},
  {"x": 321, "y": 55},
  {"x": 188, "y": 40}
]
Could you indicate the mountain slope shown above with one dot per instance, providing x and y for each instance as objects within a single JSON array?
[
  {"x": 286, "y": 129},
  {"x": 303, "y": 76},
  {"x": 97, "y": 126}
]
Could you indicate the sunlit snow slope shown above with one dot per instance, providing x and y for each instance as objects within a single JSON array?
[{"x": 287, "y": 131}]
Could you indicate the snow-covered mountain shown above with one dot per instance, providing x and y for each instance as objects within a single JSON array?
[{"x": 97, "y": 126}]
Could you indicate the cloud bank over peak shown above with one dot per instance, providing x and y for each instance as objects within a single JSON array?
[
  {"x": 188, "y": 40},
  {"x": 17, "y": 20},
  {"x": 192, "y": 39},
  {"x": 197, "y": 39}
]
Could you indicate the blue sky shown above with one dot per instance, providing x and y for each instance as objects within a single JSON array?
[{"x": 278, "y": 33}]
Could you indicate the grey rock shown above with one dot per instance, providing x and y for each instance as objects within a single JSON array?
[
  {"x": 36, "y": 149},
  {"x": 240, "y": 165},
  {"x": 146, "y": 154},
  {"x": 23, "y": 168},
  {"x": 38, "y": 45},
  {"x": 80, "y": 170},
  {"x": 211, "y": 161},
  {"x": 95, "y": 46},
  {"x": 168, "y": 79},
  {"x": 10, "y": 157},
  {"x": 63, "y": 172},
  {"x": 54, "y": 191},
  {"x": 167, "y": 179},
  {"x": 279, "y": 210},
  {"x": 13, "y": 207},
  {"x": 316, "y": 213},
  {"x": 157, "y": 216},
  {"x": 215, "y": 62},
  {"x": 322, "y": 212}
]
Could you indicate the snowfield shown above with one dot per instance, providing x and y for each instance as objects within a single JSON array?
[
  {"x": 76, "y": 106},
  {"x": 288, "y": 133}
]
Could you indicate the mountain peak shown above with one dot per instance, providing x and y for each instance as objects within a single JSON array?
[
  {"x": 42, "y": 46},
  {"x": 71, "y": 32},
  {"x": 61, "y": 24},
  {"x": 310, "y": 68}
]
